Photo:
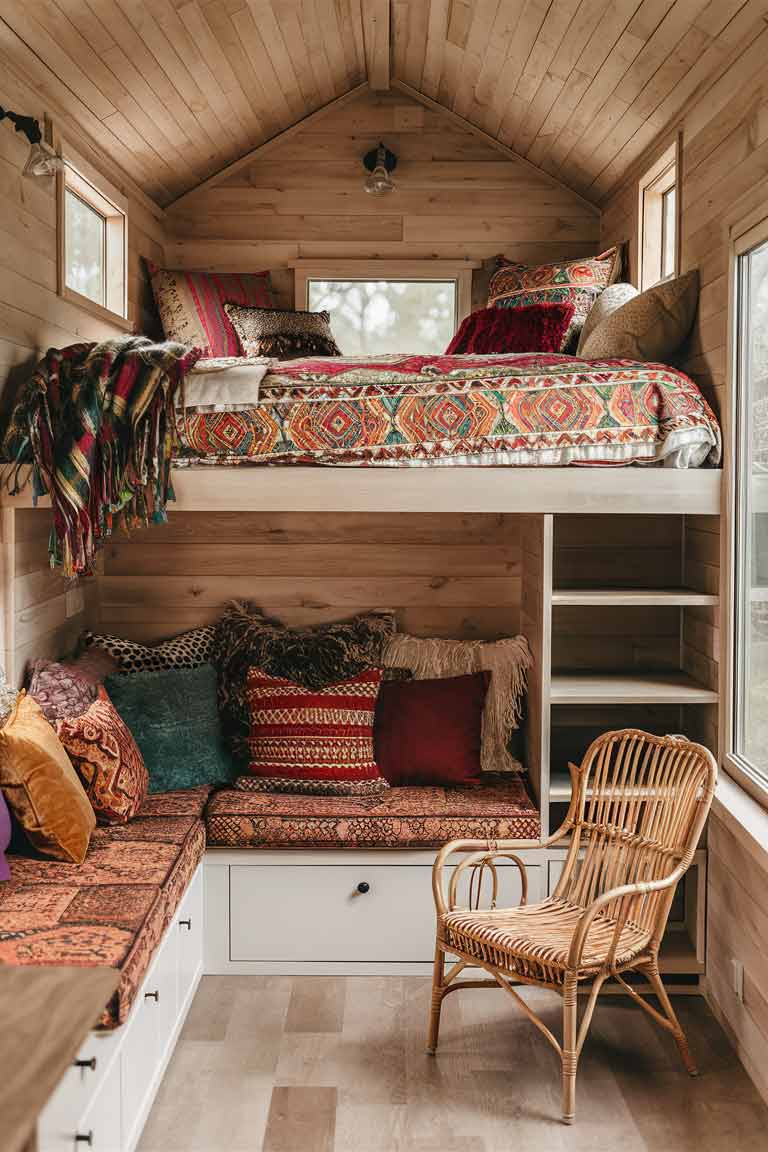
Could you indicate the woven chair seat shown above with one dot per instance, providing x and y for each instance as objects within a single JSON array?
[{"x": 534, "y": 940}]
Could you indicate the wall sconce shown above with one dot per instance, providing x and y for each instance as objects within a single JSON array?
[
  {"x": 379, "y": 162},
  {"x": 42, "y": 160}
]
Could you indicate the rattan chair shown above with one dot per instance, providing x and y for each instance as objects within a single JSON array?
[{"x": 638, "y": 807}]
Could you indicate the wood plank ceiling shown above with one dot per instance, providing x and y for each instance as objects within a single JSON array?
[{"x": 175, "y": 90}]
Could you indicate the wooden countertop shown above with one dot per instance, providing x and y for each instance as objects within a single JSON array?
[{"x": 45, "y": 1014}]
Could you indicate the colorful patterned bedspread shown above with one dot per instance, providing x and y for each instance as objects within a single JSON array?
[{"x": 539, "y": 409}]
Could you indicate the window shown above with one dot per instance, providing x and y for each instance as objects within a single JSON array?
[
  {"x": 658, "y": 221},
  {"x": 373, "y": 317},
  {"x": 382, "y": 306},
  {"x": 749, "y": 728},
  {"x": 94, "y": 243}
]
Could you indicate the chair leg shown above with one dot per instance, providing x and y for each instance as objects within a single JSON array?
[
  {"x": 680, "y": 1038},
  {"x": 570, "y": 1051},
  {"x": 437, "y": 999}
]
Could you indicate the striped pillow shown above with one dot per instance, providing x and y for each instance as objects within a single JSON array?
[
  {"x": 191, "y": 305},
  {"x": 315, "y": 741}
]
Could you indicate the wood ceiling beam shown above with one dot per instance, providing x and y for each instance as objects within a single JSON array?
[
  {"x": 378, "y": 42},
  {"x": 264, "y": 149}
]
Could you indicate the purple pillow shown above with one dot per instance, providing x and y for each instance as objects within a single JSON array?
[{"x": 5, "y": 838}]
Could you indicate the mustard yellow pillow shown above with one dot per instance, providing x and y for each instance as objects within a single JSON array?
[{"x": 41, "y": 786}]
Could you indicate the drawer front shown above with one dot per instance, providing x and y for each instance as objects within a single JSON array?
[
  {"x": 102, "y": 1123},
  {"x": 76, "y": 1092},
  {"x": 302, "y": 914},
  {"x": 189, "y": 930}
]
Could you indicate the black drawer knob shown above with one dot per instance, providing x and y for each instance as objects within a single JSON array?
[
  {"x": 84, "y": 1138},
  {"x": 152, "y": 996},
  {"x": 186, "y": 924},
  {"x": 87, "y": 1063},
  {"x": 363, "y": 887}
]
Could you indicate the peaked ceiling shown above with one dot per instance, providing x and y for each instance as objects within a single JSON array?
[{"x": 175, "y": 90}]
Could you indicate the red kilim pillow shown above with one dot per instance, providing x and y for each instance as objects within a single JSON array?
[{"x": 316, "y": 741}]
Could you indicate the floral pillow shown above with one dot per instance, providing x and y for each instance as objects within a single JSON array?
[
  {"x": 578, "y": 282},
  {"x": 67, "y": 688},
  {"x": 107, "y": 759},
  {"x": 312, "y": 657}
]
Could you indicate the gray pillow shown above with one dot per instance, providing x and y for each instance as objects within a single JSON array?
[
  {"x": 651, "y": 326},
  {"x": 611, "y": 298}
]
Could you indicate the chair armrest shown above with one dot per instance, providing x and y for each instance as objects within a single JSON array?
[
  {"x": 480, "y": 854},
  {"x": 641, "y": 888}
]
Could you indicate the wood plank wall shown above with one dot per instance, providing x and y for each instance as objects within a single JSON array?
[
  {"x": 456, "y": 197},
  {"x": 445, "y": 574},
  {"x": 42, "y": 615}
]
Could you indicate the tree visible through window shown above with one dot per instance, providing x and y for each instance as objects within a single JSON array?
[
  {"x": 85, "y": 231},
  {"x": 374, "y": 317},
  {"x": 95, "y": 243}
]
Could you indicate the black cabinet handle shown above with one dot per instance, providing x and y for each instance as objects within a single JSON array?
[
  {"x": 87, "y": 1063},
  {"x": 152, "y": 996},
  {"x": 363, "y": 887},
  {"x": 84, "y": 1138},
  {"x": 186, "y": 924}
]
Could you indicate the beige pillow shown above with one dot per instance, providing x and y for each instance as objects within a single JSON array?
[
  {"x": 652, "y": 326},
  {"x": 611, "y": 298}
]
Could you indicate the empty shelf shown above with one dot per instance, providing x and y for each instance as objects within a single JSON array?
[
  {"x": 628, "y": 597},
  {"x": 628, "y": 688}
]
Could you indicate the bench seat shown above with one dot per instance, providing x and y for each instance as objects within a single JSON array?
[
  {"x": 113, "y": 908},
  {"x": 421, "y": 817}
]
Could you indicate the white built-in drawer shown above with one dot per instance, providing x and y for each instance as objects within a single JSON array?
[
  {"x": 78, "y": 1088},
  {"x": 100, "y": 1129},
  {"x": 315, "y": 913},
  {"x": 188, "y": 926}
]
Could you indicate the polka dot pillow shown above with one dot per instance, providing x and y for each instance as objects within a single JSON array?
[{"x": 188, "y": 650}]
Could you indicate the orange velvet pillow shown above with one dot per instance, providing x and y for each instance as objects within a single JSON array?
[{"x": 41, "y": 786}]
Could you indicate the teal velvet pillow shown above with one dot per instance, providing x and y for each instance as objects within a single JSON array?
[{"x": 174, "y": 718}]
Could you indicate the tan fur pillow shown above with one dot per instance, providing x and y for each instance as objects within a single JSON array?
[
  {"x": 650, "y": 327},
  {"x": 610, "y": 299}
]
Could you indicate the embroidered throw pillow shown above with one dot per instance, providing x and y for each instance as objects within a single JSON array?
[
  {"x": 316, "y": 741},
  {"x": 188, "y": 650},
  {"x": 67, "y": 688},
  {"x": 41, "y": 786},
  {"x": 611, "y": 298},
  {"x": 107, "y": 760},
  {"x": 649, "y": 327},
  {"x": 537, "y": 328},
  {"x": 429, "y": 731},
  {"x": 508, "y": 661},
  {"x": 174, "y": 719},
  {"x": 312, "y": 657},
  {"x": 578, "y": 282},
  {"x": 191, "y": 305},
  {"x": 283, "y": 333}
]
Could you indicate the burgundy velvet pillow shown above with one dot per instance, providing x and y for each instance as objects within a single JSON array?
[
  {"x": 533, "y": 328},
  {"x": 429, "y": 731}
]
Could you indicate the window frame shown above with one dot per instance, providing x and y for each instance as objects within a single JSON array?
[
  {"x": 660, "y": 178},
  {"x": 460, "y": 272},
  {"x": 81, "y": 179},
  {"x": 749, "y": 233}
]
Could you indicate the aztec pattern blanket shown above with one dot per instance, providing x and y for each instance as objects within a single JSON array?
[
  {"x": 96, "y": 424},
  {"x": 529, "y": 409}
]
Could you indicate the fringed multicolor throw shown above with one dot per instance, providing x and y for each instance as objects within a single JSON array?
[{"x": 96, "y": 423}]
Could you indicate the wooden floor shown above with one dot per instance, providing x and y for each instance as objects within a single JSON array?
[{"x": 315, "y": 1064}]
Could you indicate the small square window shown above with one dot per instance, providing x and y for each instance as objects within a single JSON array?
[
  {"x": 94, "y": 244},
  {"x": 658, "y": 221}
]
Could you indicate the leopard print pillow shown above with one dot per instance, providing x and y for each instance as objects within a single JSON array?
[
  {"x": 312, "y": 657},
  {"x": 282, "y": 333},
  {"x": 188, "y": 650}
]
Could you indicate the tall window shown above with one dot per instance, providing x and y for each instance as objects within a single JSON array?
[
  {"x": 750, "y": 631},
  {"x": 658, "y": 220},
  {"x": 374, "y": 317},
  {"x": 94, "y": 243}
]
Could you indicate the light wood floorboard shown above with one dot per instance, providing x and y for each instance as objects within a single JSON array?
[{"x": 314, "y": 1064}]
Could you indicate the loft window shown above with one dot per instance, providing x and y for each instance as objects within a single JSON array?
[
  {"x": 658, "y": 212},
  {"x": 94, "y": 243},
  {"x": 749, "y": 688},
  {"x": 384, "y": 306}
]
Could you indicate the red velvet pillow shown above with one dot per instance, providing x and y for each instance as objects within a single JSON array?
[
  {"x": 428, "y": 731},
  {"x": 533, "y": 328}
]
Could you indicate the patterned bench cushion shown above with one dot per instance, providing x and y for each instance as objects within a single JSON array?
[
  {"x": 499, "y": 808},
  {"x": 114, "y": 908}
]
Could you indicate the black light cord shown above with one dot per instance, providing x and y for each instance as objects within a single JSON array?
[{"x": 27, "y": 125}]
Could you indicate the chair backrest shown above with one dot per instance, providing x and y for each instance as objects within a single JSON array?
[{"x": 638, "y": 806}]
